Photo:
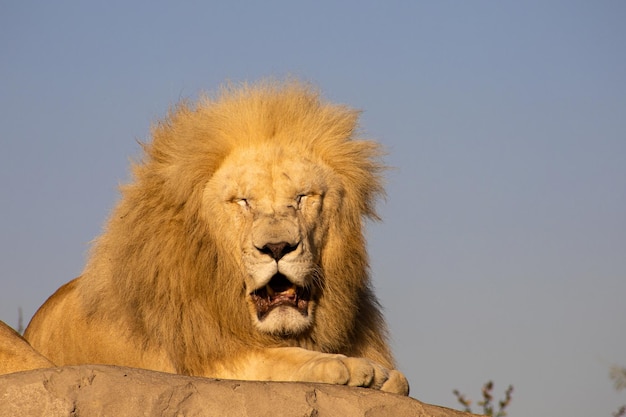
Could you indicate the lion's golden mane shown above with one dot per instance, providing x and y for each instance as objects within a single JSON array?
[{"x": 164, "y": 272}]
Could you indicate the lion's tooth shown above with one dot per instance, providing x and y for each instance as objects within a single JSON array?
[
  {"x": 270, "y": 291},
  {"x": 291, "y": 290}
]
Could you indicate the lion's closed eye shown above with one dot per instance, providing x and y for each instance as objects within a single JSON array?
[
  {"x": 300, "y": 201},
  {"x": 241, "y": 202}
]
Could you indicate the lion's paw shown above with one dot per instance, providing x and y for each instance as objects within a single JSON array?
[
  {"x": 356, "y": 372},
  {"x": 396, "y": 383}
]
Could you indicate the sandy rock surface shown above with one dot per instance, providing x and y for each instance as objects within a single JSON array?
[{"x": 102, "y": 390}]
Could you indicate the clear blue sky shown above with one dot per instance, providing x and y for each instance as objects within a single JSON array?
[{"x": 502, "y": 254}]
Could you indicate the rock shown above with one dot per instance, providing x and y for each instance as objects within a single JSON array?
[
  {"x": 103, "y": 390},
  {"x": 16, "y": 354}
]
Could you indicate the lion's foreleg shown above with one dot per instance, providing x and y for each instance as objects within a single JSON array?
[{"x": 297, "y": 364}]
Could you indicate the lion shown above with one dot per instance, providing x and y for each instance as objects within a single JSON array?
[
  {"x": 237, "y": 251},
  {"x": 16, "y": 354}
]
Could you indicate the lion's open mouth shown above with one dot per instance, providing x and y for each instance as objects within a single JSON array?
[{"x": 280, "y": 292}]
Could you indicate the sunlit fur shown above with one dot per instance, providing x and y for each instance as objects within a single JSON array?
[
  {"x": 16, "y": 354},
  {"x": 164, "y": 272}
]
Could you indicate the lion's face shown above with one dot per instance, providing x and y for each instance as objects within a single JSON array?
[{"x": 271, "y": 206}]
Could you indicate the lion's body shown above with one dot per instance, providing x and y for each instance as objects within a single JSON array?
[
  {"x": 16, "y": 354},
  {"x": 237, "y": 252}
]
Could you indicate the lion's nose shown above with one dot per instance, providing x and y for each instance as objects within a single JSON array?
[{"x": 277, "y": 250}]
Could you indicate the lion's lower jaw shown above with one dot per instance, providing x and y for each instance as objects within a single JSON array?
[{"x": 284, "y": 321}]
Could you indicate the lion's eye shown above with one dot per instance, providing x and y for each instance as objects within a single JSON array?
[
  {"x": 242, "y": 202},
  {"x": 300, "y": 200}
]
